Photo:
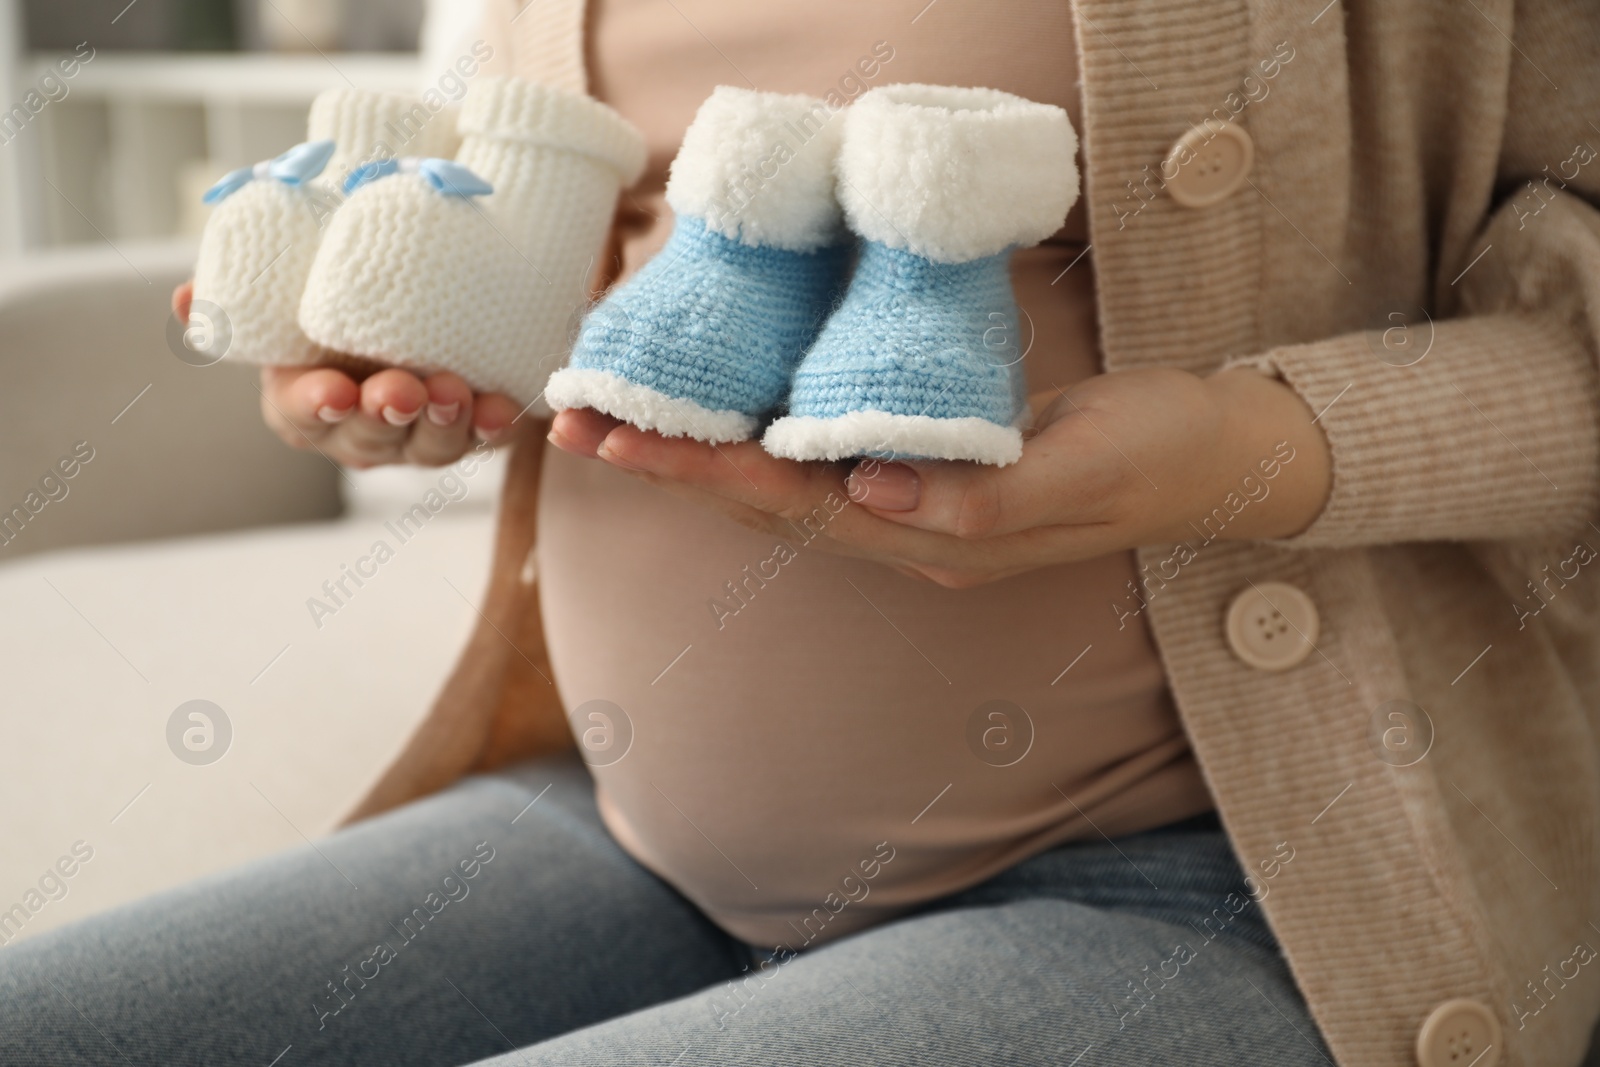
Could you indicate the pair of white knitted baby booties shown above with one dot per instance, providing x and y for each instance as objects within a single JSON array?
[{"x": 418, "y": 238}]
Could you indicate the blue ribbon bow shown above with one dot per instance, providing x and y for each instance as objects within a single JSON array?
[
  {"x": 447, "y": 177},
  {"x": 294, "y": 168}
]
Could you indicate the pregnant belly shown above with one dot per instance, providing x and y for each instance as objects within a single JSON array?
[{"x": 806, "y": 744}]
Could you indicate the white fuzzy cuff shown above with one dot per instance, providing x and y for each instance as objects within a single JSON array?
[
  {"x": 861, "y": 433},
  {"x": 367, "y": 127},
  {"x": 956, "y": 174},
  {"x": 510, "y": 109},
  {"x": 644, "y": 407},
  {"x": 758, "y": 168}
]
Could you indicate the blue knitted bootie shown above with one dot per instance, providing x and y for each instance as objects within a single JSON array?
[
  {"x": 704, "y": 339},
  {"x": 922, "y": 359}
]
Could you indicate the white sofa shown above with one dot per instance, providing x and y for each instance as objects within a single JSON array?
[{"x": 177, "y": 567}]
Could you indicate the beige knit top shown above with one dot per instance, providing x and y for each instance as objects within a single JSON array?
[{"x": 1413, "y": 246}]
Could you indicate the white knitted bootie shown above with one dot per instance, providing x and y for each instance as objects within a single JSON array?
[
  {"x": 425, "y": 268},
  {"x": 259, "y": 244}
]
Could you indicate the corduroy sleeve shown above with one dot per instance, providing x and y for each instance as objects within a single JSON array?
[{"x": 1493, "y": 432}]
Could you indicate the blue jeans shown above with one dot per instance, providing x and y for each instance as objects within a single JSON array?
[{"x": 473, "y": 928}]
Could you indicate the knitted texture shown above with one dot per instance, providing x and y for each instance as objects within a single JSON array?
[
  {"x": 367, "y": 127},
  {"x": 922, "y": 359},
  {"x": 259, "y": 244},
  {"x": 702, "y": 342},
  {"x": 545, "y": 47},
  {"x": 488, "y": 287},
  {"x": 507, "y": 109},
  {"x": 254, "y": 256}
]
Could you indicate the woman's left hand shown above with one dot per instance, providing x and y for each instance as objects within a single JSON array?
[{"x": 1119, "y": 460}]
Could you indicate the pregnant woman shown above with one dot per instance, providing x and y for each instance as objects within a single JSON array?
[{"x": 1247, "y": 719}]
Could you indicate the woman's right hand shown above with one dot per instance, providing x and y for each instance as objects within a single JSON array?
[{"x": 389, "y": 416}]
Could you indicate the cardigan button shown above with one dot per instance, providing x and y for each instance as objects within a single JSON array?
[
  {"x": 1459, "y": 1033},
  {"x": 1207, "y": 164},
  {"x": 1272, "y": 626}
]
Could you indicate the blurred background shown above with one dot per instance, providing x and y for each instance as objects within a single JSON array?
[
  {"x": 172, "y": 573},
  {"x": 177, "y": 93}
]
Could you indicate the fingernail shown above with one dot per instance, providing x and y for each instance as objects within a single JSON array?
[
  {"x": 890, "y": 487},
  {"x": 443, "y": 414},
  {"x": 395, "y": 417},
  {"x": 483, "y": 434},
  {"x": 328, "y": 414},
  {"x": 612, "y": 458}
]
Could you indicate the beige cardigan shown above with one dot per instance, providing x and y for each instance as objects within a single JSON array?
[{"x": 1392, "y": 189}]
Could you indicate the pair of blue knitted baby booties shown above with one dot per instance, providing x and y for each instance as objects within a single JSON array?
[{"x": 847, "y": 275}]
